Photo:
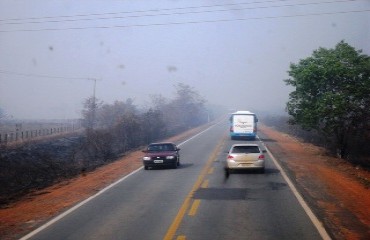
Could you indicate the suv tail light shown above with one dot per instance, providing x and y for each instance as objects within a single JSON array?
[
  {"x": 230, "y": 157},
  {"x": 261, "y": 156}
]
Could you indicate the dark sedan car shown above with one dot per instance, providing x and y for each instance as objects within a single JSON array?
[{"x": 161, "y": 154}]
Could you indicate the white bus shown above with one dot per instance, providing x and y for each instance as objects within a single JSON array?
[{"x": 243, "y": 124}]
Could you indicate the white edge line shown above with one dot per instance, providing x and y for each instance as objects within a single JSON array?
[
  {"x": 316, "y": 222},
  {"x": 62, "y": 215},
  {"x": 197, "y": 134}
]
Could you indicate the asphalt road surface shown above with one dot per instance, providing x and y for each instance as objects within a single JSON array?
[{"x": 194, "y": 201}]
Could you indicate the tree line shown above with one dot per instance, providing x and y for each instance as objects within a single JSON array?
[
  {"x": 331, "y": 97},
  {"x": 118, "y": 127},
  {"x": 111, "y": 130}
]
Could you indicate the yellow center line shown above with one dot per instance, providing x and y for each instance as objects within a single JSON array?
[
  {"x": 194, "y": 207},
  {"x": 185, "y": 205},
  {"x": 210, "y": 171},
  {"x": 205, "y": 183}
]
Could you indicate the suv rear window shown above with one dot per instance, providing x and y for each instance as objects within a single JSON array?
[{"x": 245, "y": 149}]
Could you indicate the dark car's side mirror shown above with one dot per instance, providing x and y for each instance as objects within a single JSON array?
[{"x": 145, "y": 151}]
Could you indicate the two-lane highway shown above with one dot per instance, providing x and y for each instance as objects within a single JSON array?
[
  {"x": 247, "y": 205},
  {"x": 195, "y": 201}
]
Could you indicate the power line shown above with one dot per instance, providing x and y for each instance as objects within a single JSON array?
[
  {"x": 141, "y": 11},
  {"x": 169, "y": 14},
  {"x": 42, "y": 76},
  {"x": 187, "y": 22}
]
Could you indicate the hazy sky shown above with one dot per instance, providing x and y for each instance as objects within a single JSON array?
[{"x": 234, "y": 53}]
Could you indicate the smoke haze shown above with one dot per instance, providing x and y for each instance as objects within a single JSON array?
[{"x": 235, "y": 54}]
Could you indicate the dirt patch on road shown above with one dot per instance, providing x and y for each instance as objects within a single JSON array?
[{"x": 336, "y": 190}]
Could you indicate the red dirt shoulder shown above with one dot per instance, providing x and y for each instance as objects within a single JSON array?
[{"x": 338, "y": 191}]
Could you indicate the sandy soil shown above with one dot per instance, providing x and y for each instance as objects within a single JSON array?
[{"x": 338, "y": 192}]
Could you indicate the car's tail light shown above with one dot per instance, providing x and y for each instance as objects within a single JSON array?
[
  {"x": 231, "y": 129},
  {"x": 230, "y": 157},
  {"x": 261, "y": 156}
]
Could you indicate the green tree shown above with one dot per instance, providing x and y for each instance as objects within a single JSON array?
[{"x": 332, "y": 94}]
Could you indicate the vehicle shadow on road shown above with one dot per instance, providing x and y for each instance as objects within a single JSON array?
[
  {"x": 251, "y": 172},
  {"x": 182, "y": 165},
  {"x": 185, "y": 165}
]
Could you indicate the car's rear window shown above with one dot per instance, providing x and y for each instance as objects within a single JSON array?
[
  {"x": 245, "y": 149},
  {"x": 161, "y": 147}
]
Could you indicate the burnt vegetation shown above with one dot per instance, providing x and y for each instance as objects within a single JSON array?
[
  {"x": 111, "y": 130},
  {"x": 358, "y": 152}
]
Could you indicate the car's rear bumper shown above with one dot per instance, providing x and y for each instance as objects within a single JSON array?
[
  {"x": 241, "y": 135},
  {"x": 245, "y": 165}
]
